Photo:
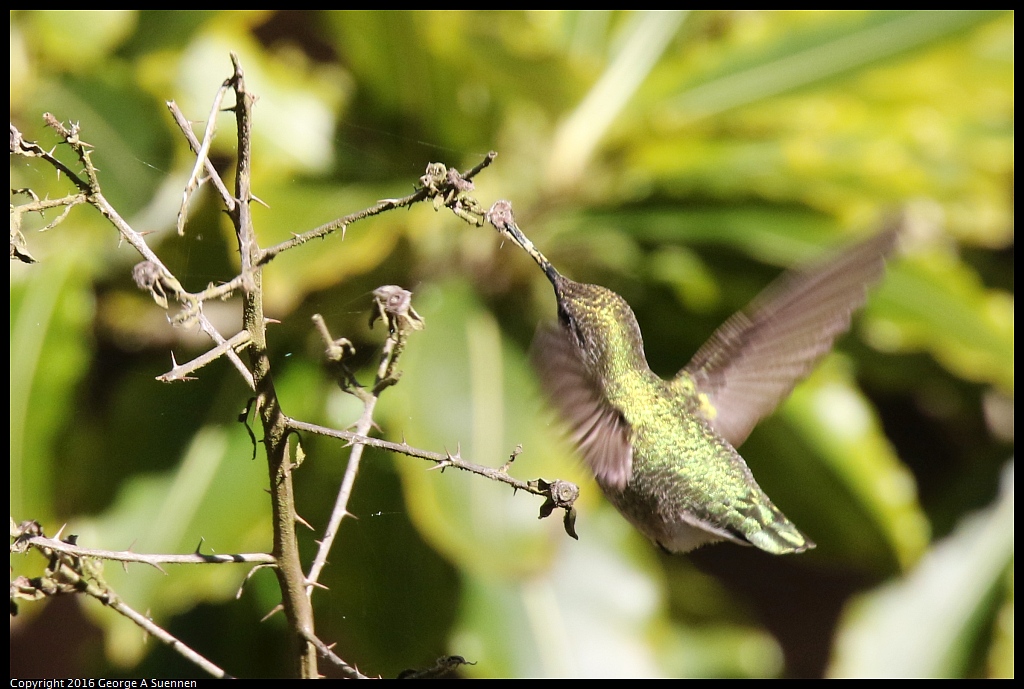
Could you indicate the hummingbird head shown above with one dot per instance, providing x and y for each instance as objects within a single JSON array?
[{"x": 600, "y": 324}]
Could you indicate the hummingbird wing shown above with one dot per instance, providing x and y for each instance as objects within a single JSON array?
[
  {"x": 598, "y": 429},
  {"x": 753, "y": 361}
]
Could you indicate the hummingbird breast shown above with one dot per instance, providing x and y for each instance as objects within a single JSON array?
[{"x": 688, "y": 486}]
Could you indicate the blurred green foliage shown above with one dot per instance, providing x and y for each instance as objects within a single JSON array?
[{"x": 680, "y": 159}]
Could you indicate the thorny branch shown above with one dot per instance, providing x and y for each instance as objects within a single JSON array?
[
  {"x": 327, "y": 653},
  {"x": 24, "y": 539},
  {"x": 559, "y": 494},
  {"x": 444, "y": 185},
  {"x": 70, "y": 565},
  {"x": 394, "y": 305},
  {"x": 202, "y": 156},
  {"x": 180, "y": 371},
  {"x": 161, "y": 281},
  {"x": 68, "y": 572}
]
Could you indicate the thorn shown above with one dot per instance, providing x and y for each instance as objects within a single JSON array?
[
  {"x": 200, "y": 546},
  {"x": 248, "y": 576},
  {"x": 303, "y": 522},
  {"x": 60, "y": 531},
  {"x": 515, "y": 453},
  {"x": 276, "y": 609}
]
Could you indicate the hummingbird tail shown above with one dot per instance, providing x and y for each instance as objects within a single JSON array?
[{"x": 780, "y": 537}]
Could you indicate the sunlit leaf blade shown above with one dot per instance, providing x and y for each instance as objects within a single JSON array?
[
  {"x": 926, "y": 624},
  {"x": 801, "y": 59},
  {"x": 646, "y": 36},
  {"x": 868, "y": 504},
  {"x": 939, "y": 305},
  {"x": 50, "y": 311},
  {"x": 586, "y": 617}
]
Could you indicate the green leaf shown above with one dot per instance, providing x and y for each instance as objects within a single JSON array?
[
  {"x": 51, "y": 308},
  {"x": 926, "y": 624},
  {"x": 819, "y": 53},
  {"x": 937, "y": 304},
  {"x": 866, "y": 500}
]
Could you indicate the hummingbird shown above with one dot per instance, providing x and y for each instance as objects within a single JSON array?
[{"x": 664, "y": 451}]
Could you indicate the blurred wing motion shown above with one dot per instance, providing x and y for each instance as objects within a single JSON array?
[
  {"x": 752, "y": 362},
  {"x": 599, "y": 431}
]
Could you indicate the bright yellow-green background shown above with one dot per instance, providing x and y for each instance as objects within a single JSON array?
[{"x": 679, "y": 158}]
